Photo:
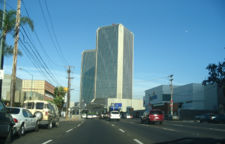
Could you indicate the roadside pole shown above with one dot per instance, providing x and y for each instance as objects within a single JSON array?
[
  {"x": 171, "y": 97},
  {"x": 15, "y": 51}
]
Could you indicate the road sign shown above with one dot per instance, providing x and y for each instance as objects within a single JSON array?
[{"x": 1, "y": 74}]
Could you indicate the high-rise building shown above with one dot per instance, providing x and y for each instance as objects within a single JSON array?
[
  {"x": 114, "y": 62},
  {"x": 87, "y": 76}
]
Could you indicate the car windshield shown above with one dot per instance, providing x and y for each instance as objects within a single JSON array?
[
  {"x": 137, "y": 62},
  {"x": 156, "y": 112},
  {"x": 39, "y": 105},
  {"x": 14, "y": 110},
  {"x": 115, "y": 112}
]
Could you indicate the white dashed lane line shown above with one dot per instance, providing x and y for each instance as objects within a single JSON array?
[
  {"x": 69, "y": 130},
  {"x": 137, "y": 141},
  {"x": 122, "y": 130},
  {"x": 168, "y": 129},
  {"x": 78, "y": 125},
  {"x": 47, "y": 142},
  {"x": 214, "y": 129},
  {"x": 113, "y": 125}
]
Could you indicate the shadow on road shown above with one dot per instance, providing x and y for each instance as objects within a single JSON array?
[{"x": 195, "y": 141}]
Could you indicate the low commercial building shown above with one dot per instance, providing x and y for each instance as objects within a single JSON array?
[
  {"x": 189, "y": 100},
  {"x": 39, "y": 86},
  {"x": 136, "y": 104}
]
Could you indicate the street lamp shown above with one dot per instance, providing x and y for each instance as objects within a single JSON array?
[{"x": 31, "y": 81}]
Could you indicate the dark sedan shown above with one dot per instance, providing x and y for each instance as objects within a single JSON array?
[
  {"x": 208, "y": 117},
  {"x": 6, "y": 124}
]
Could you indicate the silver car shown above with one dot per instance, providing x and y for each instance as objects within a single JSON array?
[{"x": 24, "y": 120}]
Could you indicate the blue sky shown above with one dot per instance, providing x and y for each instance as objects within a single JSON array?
[{"x": 179, "y": 37}]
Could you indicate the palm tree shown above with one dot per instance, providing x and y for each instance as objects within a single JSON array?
[{"x": 10, "y": 22}]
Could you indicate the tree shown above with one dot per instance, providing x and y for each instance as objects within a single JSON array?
[
  {"x": 8, "y": 50},
  {"x": 59, "y": 93},
  {"x": 216, "y": 75},
  {"x": 10, "y": 22}
]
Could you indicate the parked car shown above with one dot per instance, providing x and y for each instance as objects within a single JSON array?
[
  {"x": 219, "y": 118},
  {"x": 84, "y": 115},
  {"x": 6, "y": 124},
  {"x": 208, "y": 117},
  {"x": 114, "y": 115},
  {"x": 89, "y": 116},
  {"x": 94, "y": 116},
  {"x": 24, "y": 120},
  {"x": 152, "y": 116},
  {"x": 46, "y": 112},
  {"x": 128, "y": 116}
]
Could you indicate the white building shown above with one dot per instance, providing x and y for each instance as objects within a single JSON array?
[
  {"x": 192, "y": 96},
  {"x": 197, "y": 97}
]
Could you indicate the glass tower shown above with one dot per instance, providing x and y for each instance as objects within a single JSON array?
[
  {"x": 87, "y": 76},
  {"x": 114, "y": 64}
]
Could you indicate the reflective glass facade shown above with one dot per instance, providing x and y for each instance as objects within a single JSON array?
[
  {"x": 87, "y": 76},
  {"x": 128, "y": 64},
  {"x": 114, "y": 67}
]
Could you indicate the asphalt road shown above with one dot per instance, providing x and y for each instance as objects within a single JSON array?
[{"x": 95, "y": 131}]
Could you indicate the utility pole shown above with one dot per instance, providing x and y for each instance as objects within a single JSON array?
[
  {"x": 2, "y": 46},
  {"x": 171, "y": 97},
  {"x": 68, "y": 92},
  {"x": 15, "y": 51}
]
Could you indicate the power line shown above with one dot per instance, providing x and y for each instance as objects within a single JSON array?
[
  {"x": 53, "y": 31},
  {"x": 39, "y": 58},
  {"x": 39, "y": 41},
  {"x": 58, "y": 49}
]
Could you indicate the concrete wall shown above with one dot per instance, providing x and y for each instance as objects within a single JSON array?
[
  {"x": 6, "y": 89},
  {"x": 137, "y": 104},
  {"x": 192, "y": 96}
]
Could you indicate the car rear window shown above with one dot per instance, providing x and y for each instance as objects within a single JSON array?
[
  {"x": 30, "y": 105},
  {"x": 115, "y": 112},
  {"x": 39, "y": 105},
  {"x": 13, "y": 110},
  {"x": 156, "y": 112}
]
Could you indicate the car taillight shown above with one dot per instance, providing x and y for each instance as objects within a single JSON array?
[
  {"x": 15, "y": 120},
  {"x": 46, "y": 113}
]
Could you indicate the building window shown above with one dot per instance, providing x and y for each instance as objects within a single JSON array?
[{"x": 166, "y": 97}]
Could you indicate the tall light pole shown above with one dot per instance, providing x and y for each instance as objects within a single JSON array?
[
  {"x": 171, "y": 97},
  {"x": 31, "y": 87}
]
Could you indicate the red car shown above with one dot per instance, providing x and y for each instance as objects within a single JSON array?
[{"x": 152, "y": 116}]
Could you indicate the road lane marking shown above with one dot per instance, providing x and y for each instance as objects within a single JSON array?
[
  {"x": 122, "y": 130},
  {"x": 137, "y": 141},
  {"x": 178, "y": 125},
  {"x": 113, "y": 125},
  {"x": 69, "y": 130},
  {"x": 78, "y": 125},
  {"x": 47, "y": 142},
  {"x": 214, "y": 129},
  {"x": 168, "y": 129}
]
